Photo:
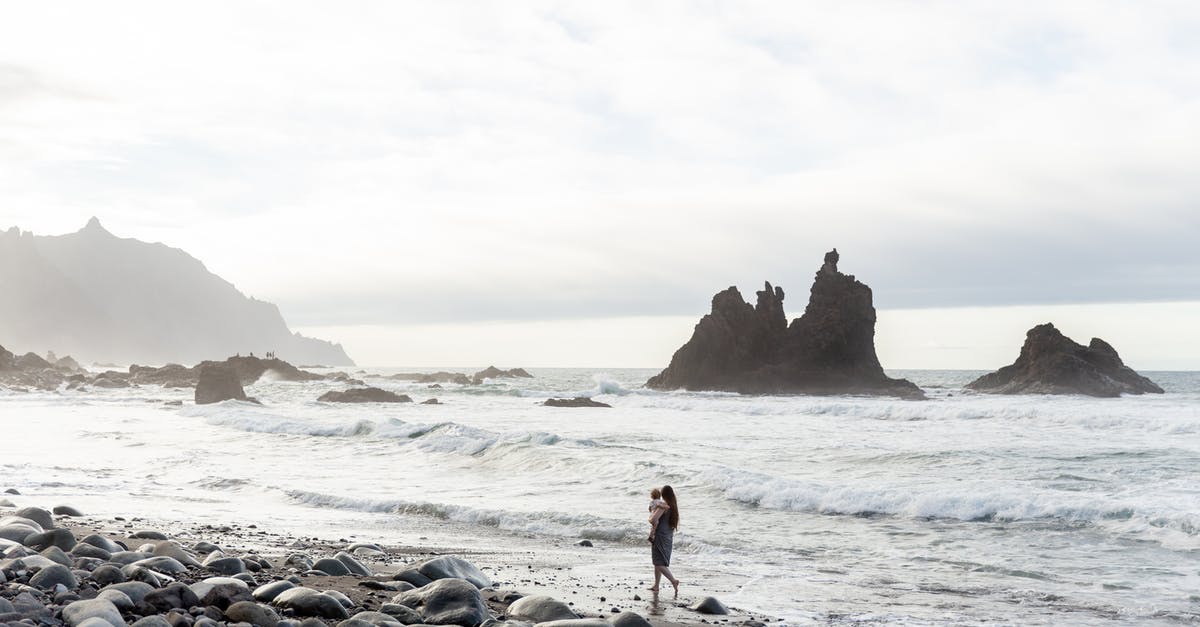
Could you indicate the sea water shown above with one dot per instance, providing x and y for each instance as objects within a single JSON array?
[{"x": 961, "y": 508}]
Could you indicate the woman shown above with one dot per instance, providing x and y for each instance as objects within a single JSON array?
[{"x": 665, "y": 522}]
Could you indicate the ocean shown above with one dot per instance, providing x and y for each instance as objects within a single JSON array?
[{"x": 963, "y": 508}]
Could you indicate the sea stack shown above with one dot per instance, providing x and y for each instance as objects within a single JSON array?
[
  {"x": 753, "y": 350},
  {"x": 1052, "y": 363}
]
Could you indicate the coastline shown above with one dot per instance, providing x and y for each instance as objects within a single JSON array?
[{"x": 591, "y": 593}]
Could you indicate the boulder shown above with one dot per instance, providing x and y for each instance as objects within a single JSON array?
[
  {"x": 447, "y": 602},
  {"x": 353, "y": 565},
  {"x": 363, "y": 395},
  {"x": 61, "y": 538},
  {"x": 268, "y": 591},
  {"x": 102, "y": 542},
  {"x": 37, "y": 515},
  {"x": 107, "y": 574},
  {"x": 578, "y": 401},
  {"x": 709, "y": 605},
  {"x": 331, "y": 566},
  {"x": 492, "y": 372},
  {"x": 308, "y": 602},
  {"x": 218, "y": 383},
  {"x": 830, "y": 349},
  {"x": 451, "y": 567},
  {"x": 221, "y": 592},
  {"x": 1052, "y": 363},
  {"x": 84, "y": 549},
  {"x": 57, "y": 555},
  {"x": 253, "y": 613},
  {"x": 66, "y": 510},
  {"x": 175, "y": 596},
  {"x": 629, "y": 619},
  {"x": 539, "y": 609},
  {"x": 225, "y": 565},
  {"x": 51, "y": 576},
  {"x": 32, "y": 361},
  {"x": 80, "y": 611}
]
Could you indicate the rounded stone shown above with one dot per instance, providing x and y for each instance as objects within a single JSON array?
[
  {"x": 118, "y": 599},
  {"x": 107, "y": 574},
  {"x": 450, "y": 567},
  {"x": 447, "y": 602},
  {"x": 253, "y": 613},
  {"x": 379, "y": 619},
  {"x": 79, "y": 611},
  {"x": 66, "y": 510},
  {"x": 226, "y": 565},
  {"x": 309, "y": 602},
  {"x": 148, "y": 534},
  {"x": 172, "y": 549},
  {"x": 51, "y": 576},
  {"x": 331, "y": 566},
  {"x": 102, "y": 542},
  {"x": 37, "y": 515},
  {"x": 135, "y": 590},
  {"x": 174, "y": 596},
  {"x": 221, "y": 592},
  {"x": 161, "y": 564},
  {"x": 630, "y": 619},
  {"x": 353, "y": 565},
  {"x": 709, "y": 605},
  {"x": 268, "y": 591},
  {"x": 56, "y": 554},
  {"x": 154, "y": 620},
  {"x": 61, "y": 538},
  {"x": 84, "y": 549},
  {"x": 540, "y": 608}
]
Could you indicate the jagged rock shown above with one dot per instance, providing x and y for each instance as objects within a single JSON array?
[
  {"x": 753, "y": 350},
  {"x": 7, "y": 359},
  {"x": 363, "y": 395},
  {"x": 250, "y": 369},
  {"x": 218, "y": 383},
  {"x": 492, "y": 372},
  {"x": 1052, "y": 363},
  {"x": 578, "y": 401},
  {"x": 32, "y": 361}
]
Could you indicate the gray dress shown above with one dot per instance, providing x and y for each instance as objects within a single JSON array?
[{"x": 664, "y": 536}]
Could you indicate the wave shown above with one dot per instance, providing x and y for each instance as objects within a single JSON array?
[
  {"x": 969, "y": 504},
  {"x": 542, "y": 523}
]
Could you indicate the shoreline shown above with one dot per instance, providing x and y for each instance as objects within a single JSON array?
[{"x": 591, "y": 595}]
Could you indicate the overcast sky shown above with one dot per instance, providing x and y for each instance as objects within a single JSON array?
[{"x": 400, "y": 176}]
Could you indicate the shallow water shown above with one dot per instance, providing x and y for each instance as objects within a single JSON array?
[{"x": 963, "y": 508}]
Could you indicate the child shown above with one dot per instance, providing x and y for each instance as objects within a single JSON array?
[{"x": 656, "y": 503}]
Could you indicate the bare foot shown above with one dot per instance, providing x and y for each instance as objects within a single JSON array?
[
  {"x": 676, "y": 584},
  {"x": 653, "y": 589}
]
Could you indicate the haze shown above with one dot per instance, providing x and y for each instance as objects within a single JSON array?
[{"x": 551, "y": 183}]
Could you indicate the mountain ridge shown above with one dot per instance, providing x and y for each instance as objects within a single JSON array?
[{"x": 102, "y": 297}]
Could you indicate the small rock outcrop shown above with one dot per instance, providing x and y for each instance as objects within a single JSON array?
[
  {"x": 492, "y": 372},
  {"x": 578, "y": 401},
  {"x": 218, "y": 383},
  {"x": 364, "y": 395},
  {"x": 753, "y": 350},
  {"x": 1052, "y": 363}
]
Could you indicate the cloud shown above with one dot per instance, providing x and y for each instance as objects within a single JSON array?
[{"x": 415, "y": 162}]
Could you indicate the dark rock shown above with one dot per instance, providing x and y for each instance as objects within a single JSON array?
[
  {"x": 57, "y": 555},
  {"x": 148, "y": 534},
  {"x": 31, "y": 361},
  {"x": 117, "y": 598},
  {"x": 412, "y": 576},
  {"x": 341, "y": 598},
  {"x": 363, "y": 395},
  {"x": 173, "y": 550},
  {"x": 1052, "y": 363},
  {"x": 221, "y": 592},
  {"x": 381, "y": 618},
  {"x": 79, "y": 611},
  {"x": 160, "y": 564},
  {"x": 492, "y": 372},
  {"x": 37, "y": 515},
  {"x": 447, "y": 602},
  {"x": 127, "y": 557},
  {"x": 578, "y": 401},
  {"x": 576, "y": 622},
  {"x": 175, "y": 596},
  {"x": 539, "y": 609},
  {"x": 225, "y": 565},
  {"x": 218, "y": 382},
  {"x": 66, "y": 510},
  {"x": 102, "y": 542},
  {"x": 135, "y": 590},
  {"x": 51, "y": 576},
  {"x": 432, "y": 401},
  {"x": 584, "y": 543},
  {"x": 354, "y": 566},
  {"x": 435, "y": 377},
  {"x": 450, "y": 567},
  {"x": 106, "y": 575},
  {"x": 61, "y": 538},
  {"x": 331, "y": 566},
  {"x": 753, "y": 350},
  {"x": 84, "y": 549},
  {"x": 709, "y": 605},
  {"x": 205, "y": 548},
  {"x": 401, "y": 613},
  {"x": 253, "y": 613},
  {"x": 309, "y": 602},
  {"x": 629, "y": 619},
  {"x": 152, "y": 621},
  {"x": 267, "y": 592}
]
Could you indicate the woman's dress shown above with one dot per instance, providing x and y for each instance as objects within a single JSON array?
[{"x": 664, "y": 536}]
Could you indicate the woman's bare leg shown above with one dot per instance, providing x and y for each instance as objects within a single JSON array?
[
  {"x": 671, "y": 578},
  {"x": 657, "y": 578}
]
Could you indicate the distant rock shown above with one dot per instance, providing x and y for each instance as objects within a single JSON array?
[
  {"x": 433, "y": 377},
  {"x": 364, "y": 395},
  {"x": 578, "y": 401},
  {"x": 432, "y": 401},
  {"x": 753, "y": 350},
  {"x": 7, "y": 359},
  {"x": 250, "y": 369},
  {"x": 32, "y": 361},
  {"x": 1052, "y": 363},
  {"x": 218, "y": 382},
  {"x": 492, "y": 372}
]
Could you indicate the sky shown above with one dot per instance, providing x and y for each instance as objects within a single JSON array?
[{"x": 568, "y": 183}]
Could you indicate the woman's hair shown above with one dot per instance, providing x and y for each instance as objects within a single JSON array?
[
  {"x": 654, "y": 493},
  {"x": 668, "y": 494}
]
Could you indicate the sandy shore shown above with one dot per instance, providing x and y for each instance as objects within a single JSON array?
[{"x": 582, "y": 583}]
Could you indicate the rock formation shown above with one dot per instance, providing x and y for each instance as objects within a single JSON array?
[
  {"x": 753, "y": 350},
  {"x": 492, "y": 372},
  {"x": 218, "y": 382},
  {"x": 364, "y": 395},
  {"x": 578, "y": 401},
  {"x": 1052, "y": 363},
  {"x": 102, "y": 297}
]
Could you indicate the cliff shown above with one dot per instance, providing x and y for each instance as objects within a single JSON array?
[
  {"x": 1052, "y": 363},
  {"x": 830, "y": 349},
  {"x": 101, "y": 297}
]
